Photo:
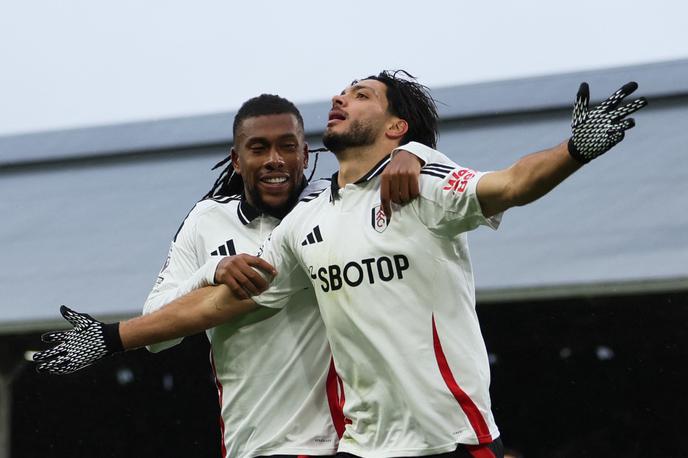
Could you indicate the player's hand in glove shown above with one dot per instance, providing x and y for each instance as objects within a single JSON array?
[
  {"x": 89, "y": 341},
  {"x": 596, "y": 131}
]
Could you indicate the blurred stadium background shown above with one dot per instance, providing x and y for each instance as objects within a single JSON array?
[{"x": 583, "y": 296}]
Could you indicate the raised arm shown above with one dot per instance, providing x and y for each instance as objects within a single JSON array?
[
  {"x": 90, "y": 340},
  {"x": 530, "y": 178},
  {"x": 594, "y": 132}
]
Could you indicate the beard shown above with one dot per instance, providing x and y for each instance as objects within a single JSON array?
[
  {"x": 358, "y": 135},
  {"x": 280, "y": 211}
]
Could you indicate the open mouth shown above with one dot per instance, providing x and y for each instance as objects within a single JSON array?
[
  {"x": 275, "y": 179},
  {"x": 336, "y": 115}
]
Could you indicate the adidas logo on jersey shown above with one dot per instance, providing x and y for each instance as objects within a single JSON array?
[
  {"x": 313, "y": 236},
  {"x": 225, "y": 250}
]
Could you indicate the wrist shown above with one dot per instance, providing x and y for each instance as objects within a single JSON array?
[
  {"x": 574, "y": 153},
  {"x": 112, "y": 338}
]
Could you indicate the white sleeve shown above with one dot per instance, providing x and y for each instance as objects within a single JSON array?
[
  {"x": 291, "y": 278},
  {"x": 181, "y": 274},
  {"x": 426, "y": 154},
  {"x": 448, "y": 204}
]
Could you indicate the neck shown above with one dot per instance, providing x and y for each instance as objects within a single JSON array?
[{"x": 356, "y": 162}]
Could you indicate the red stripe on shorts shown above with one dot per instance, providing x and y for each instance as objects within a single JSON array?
[
  {"x": 480, "y": 451},
  {"x": 469, "y": 408}
]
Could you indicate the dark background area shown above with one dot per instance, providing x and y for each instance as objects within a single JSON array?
[{"x": 591, "y": 377}]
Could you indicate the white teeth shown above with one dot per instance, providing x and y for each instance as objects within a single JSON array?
[{"x": 275, "y": 180}]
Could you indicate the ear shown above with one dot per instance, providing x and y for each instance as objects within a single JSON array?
[
  {"x": 235, "y": 161},
  {"x": 305, "y": 156},
  {"x": 396, "y": 129}
]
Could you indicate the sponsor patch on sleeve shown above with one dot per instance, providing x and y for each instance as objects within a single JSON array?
[{"x": 458, "y": 180}]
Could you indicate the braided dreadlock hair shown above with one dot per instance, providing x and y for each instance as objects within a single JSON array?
[{"x": 229, "y": 183}]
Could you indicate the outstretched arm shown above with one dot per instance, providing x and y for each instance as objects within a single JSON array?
[
  {"x": 527, "y": 180},
  {"x": 197, "y": 311},
  {"x": 90, "y": 340},
  {"x": 594, "y": 132}
]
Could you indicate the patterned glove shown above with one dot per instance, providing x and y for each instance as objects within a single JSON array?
[
  {"x": 596, "y": 131},
  {"x": 89, "y": 341}
]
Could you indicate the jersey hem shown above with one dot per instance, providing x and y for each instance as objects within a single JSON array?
[
  {"x": 469, "y": 438},
  {"x": 291, "y": 451},
  {"x": 466, "y": 439},
  {"x": 399, "y": 452}
]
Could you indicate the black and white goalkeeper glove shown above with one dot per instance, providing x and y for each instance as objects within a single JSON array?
[
  {"x": 596, "y": 131},
  {"x": 89, "y": 341}
]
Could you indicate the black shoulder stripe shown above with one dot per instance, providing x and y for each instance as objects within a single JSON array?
[
  {"x": 439, "y": 167},
  {"x": 182, "y": 225},
  {"x": 220, "y": 200},
  {"x": 312, "y": 195},
  {"x": 433, "y": 173}
]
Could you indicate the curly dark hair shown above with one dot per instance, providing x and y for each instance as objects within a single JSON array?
[{"x": 412, "y": 102}]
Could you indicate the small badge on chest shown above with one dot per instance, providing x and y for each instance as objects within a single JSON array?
[{"x": 378, "y": 219}]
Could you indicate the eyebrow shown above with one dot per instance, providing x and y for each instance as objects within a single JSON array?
[
  {"x": 358, "y": 87},
  {"x": 288, "y": 136}
]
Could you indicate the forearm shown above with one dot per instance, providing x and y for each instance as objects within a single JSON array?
[
  {"x": 195, "y": 312},
  {"x": 536, "y": 174},
  {"x": 180, "y": 284}
]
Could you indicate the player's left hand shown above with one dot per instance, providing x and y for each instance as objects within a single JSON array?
[
  {"x": 595, "y": 131},
  {"x": 89, "y": 341},
  {"x": 399, "y": 182}
]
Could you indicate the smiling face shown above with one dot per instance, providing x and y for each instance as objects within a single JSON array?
[
  {"x": 270, "y": 154},
  {"x": 359, "y": 116}
]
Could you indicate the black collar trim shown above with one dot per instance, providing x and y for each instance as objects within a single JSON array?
[
  {"x": 372, "y": 173},
  {"x": 246, "y": 212}
]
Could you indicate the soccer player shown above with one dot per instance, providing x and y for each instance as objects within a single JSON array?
[
  {"x": 276, "y": 384},
  {"x": 271, "y": 402},
  {"x": 396, "y": 295}
]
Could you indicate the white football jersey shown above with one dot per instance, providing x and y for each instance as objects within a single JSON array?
[
  {"x": 272, "y": 367},
  {"x": 398, "y": 302}
]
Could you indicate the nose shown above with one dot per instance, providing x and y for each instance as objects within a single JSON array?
[
  {"x": 337, "y": 100},
  {"x": 275, "y": 159}
]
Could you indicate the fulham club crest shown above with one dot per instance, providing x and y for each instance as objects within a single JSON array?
[{"x": 378, "y": 219}]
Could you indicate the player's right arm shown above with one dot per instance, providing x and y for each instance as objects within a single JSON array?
[
  {"x": 90, "y": 340},
  {"x": 194, "y": 312}
]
